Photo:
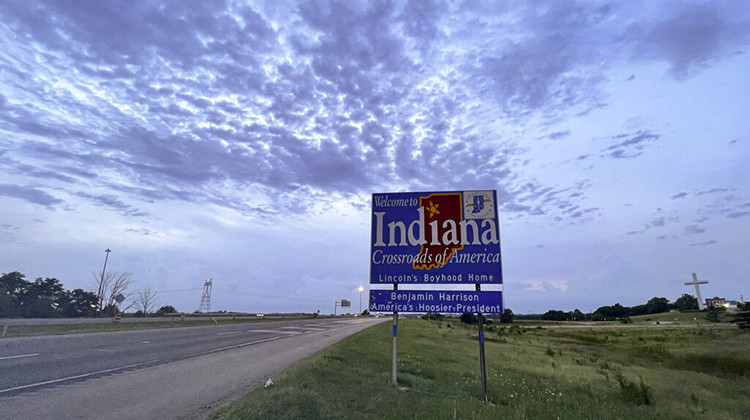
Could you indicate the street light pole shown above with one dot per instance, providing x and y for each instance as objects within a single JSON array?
[
  {"x": 101, "y": 282},
  {"x": 360, "y": 298}
]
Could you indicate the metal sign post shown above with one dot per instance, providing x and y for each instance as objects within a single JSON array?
[
  {"x": 482, "y": 364},
  {"x": 394, "y": 366}
]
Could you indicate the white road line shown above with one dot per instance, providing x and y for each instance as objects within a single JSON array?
[
  {"x": 306, "y": 328},
  {"x": 85, "y": 375},
  {"x": 259, "y": 331},
  {"x": 19, "y": 356},
  {"x": 249, "y": 343},
  {"x": 274, "y": 331}
]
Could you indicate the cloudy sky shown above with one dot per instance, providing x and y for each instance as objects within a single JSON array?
[{"x": 242, "y": 142}]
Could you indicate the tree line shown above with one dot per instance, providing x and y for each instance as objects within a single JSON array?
[
  {"x": 46, "y": 297},
  {"x": 43, "y": 298},
  {"x": 655, "y": 305}
]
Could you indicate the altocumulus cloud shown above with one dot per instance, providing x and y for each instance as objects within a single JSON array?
[{"x": 195, "y": 101}]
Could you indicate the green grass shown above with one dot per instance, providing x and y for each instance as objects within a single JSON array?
[
  {"x": 535, "y": 373},
  {"x": 677, "y": 318}
]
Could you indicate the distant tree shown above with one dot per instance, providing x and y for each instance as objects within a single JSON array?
[
  {"x": 577, "y": 315},
  {"x": 110, "y": 310},
  {"x": 612, "y": 312},
  {"x": 433, "y": 316},
  {"x": 657, "y": 305},
  {"x": 40, "y": 307},
  {"x": 638, "y": 310},
  {"x": 506, "y": 317},
  {"x": 145, "y": 301},
  {"x": 111, "y": 284},
  {"x": 555, "y": 315},
  {"x": 653, "y": 306},
  {"x": 685, "y": 302},
  {"x": 78, "y": 303},
  {"x": 597, "y": 316},
  {"x": 12, "y": 287},
  {"x": 599, "y": 313},
  {"x": 13, "y": 282},
  {"x": 618, "y": 310},
  {"x": 365, "y": 312},
  {"x": 40, "y": 298},
  {"x": 43, "y": 298},
  {"x": 7, "y": 305},
  {"x": 166, "y": 310},
  {"x": 742, "y": 316}
]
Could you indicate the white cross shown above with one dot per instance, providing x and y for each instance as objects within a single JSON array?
[{"x": 695, "y": 282}]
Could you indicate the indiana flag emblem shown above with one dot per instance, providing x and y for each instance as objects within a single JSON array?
[{"x": 443, "y": 214}]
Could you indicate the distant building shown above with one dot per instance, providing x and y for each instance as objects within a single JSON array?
[{"x": 716, "y": 303}]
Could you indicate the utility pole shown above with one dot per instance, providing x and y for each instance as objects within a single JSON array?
[{"x": 101, "y": 281}]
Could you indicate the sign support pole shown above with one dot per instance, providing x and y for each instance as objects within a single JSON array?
[
  {"x": 395, "y": 344},
  {"x": 482, "y": 364}
]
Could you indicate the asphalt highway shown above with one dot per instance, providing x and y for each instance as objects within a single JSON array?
[{"x": 161, "y": 373}]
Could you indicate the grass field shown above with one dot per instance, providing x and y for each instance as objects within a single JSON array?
[{"x": 538, "y": 373}]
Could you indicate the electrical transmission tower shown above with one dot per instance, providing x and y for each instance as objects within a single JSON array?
[{"x": 206, "y": 298}]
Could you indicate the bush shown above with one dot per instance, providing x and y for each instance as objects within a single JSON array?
[
  {"x": 469, "y": 318},
  {"x": 713, "y": 315},
  {"x": 166, "y": 310},
  {"x": 434, "y": 317},
  {"x": 110, "y": 310},
  {"x": 555, "y": 315},
  {"x": 506, "y": 317},
  {"x": 742, "y": 317}
]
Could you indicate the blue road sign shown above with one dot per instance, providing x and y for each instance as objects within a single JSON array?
[{"x": 449, "y": 301}]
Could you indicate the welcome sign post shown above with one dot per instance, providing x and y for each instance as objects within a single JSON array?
[{"x": 436, "y": 238}]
